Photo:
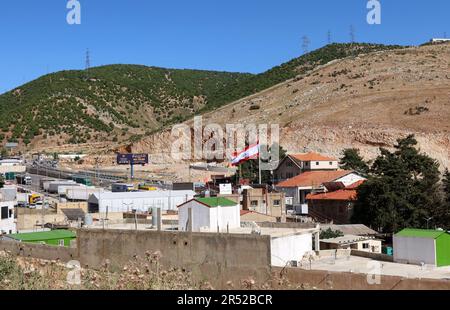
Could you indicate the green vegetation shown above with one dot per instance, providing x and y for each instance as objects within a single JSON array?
[
  {"x": 117, "y": 102},
  {"x": 249, "y": 170},
  {"x": 403, "y": 190},
  {"x": 353, "y": 161},
  {"x": 330, "y": 234},
  {"x": 69, "y": 105}
]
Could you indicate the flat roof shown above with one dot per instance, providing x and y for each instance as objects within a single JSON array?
[
  {"x": 146, "y": 194},
  {"x": 275, "y": 232},
  {"x": 44, "y": 235}
]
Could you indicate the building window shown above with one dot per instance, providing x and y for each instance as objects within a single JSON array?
[
  {"x": 254, "y": 203},
  {"x": 5, "y": 213},
  {"x": 289, "y": 164},
  {"x": 276, "y": 203},
  {"x": 317, "y": 163},
  {"x": 365, "y": 246},
  {"x": 10, "y": 213},
  {"x": 331, "y": 163}
]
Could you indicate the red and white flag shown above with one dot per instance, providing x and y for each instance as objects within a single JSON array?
[{"x": 251, "y": 152}]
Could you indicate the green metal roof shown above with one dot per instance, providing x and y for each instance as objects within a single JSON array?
[
  {"x": 44, "y": 235},
  {"x": 214, "y": 202},
  {"x": 420, "y": 233}
]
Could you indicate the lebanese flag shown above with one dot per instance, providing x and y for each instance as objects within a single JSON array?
[{"x": 251, "y": 152}]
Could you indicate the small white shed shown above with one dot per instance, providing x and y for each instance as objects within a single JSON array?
[{"x": 209, "y": 215}]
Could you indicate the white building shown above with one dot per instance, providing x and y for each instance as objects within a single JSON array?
[
  {"x": 358, "y": 243},
  {"x": 12, "y": 165},
  {"x": 288, "y": 246},
  {"x": 209, "y": 215},
  {"x": 7, "y": 221},
  {"x": 139, "y": 201},
  {"x": 298, "y": 188},
  {"x": 440, "y": 40},
  {"x": 419, "y": 246}
]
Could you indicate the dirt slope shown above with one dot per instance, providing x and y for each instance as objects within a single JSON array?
[{"x": 365, "y": 102}]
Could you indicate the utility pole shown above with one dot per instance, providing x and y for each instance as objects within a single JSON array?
[
  {"x": 88, "y": 60},
  {"x": 352, "y": 34},
  {"x": 305, "y": 44}
]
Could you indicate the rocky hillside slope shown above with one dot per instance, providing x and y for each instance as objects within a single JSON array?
[{"x": 364, "y": 101}]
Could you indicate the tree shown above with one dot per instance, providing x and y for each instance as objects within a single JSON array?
[
  {"x": 330, "y": 234},
  {"x": 402, "y": 191},
  {"x": 250, "y": 169},
  {"x": 353, "y": 161},
  {"x": 445, "y": 211}
]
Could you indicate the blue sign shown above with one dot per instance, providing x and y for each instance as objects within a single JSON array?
[{"x": 132, "y": 159}]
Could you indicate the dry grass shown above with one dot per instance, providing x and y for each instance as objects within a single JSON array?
[{"x": 18, "y": 273}]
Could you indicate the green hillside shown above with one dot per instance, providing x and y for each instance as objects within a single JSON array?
[
  {"x": 107, "y": 102},
  {"x": 123, "y": 102}
]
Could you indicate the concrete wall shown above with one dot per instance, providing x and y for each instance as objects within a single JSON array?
[
  {"x": 350, "y": 281},
  {"x": 257, "y": 217},
  {"x": 284, "y": 249},
  {"x": 27, "y": 219},
  {"x": 375, "y": 256},
  {"x": 409, "y": 250},
  {"x": 46, "y": 252},
  {"x": 216, "y": 257}
]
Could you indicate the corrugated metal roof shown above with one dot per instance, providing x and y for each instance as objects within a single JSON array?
[
  {"x": 351, "y": 229},
  {"x": 44, "y": 235},
  {"x": 217, "y": 201},
  {"x": 420, "y": 233}
]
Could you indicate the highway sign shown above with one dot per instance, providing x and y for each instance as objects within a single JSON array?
[{"x": 132, "y": 159}]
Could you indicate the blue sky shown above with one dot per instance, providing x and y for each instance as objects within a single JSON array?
[{"x": 227, "y": 35}]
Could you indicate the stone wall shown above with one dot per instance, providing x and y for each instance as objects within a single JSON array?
[
  {"x": 218, "y": 258},
  {"x": 46, "y": 252}
]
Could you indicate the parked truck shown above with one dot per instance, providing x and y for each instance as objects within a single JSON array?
[
  {"x": 24, "y": 180},
  {"x": 28, "y": 199}
]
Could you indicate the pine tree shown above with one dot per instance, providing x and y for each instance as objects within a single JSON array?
[
  {"x": 352, "y": 160},
  {"x": 403, "y": 190}
]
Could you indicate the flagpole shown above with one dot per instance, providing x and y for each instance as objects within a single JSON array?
[{"x": 259, "y": 165}]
